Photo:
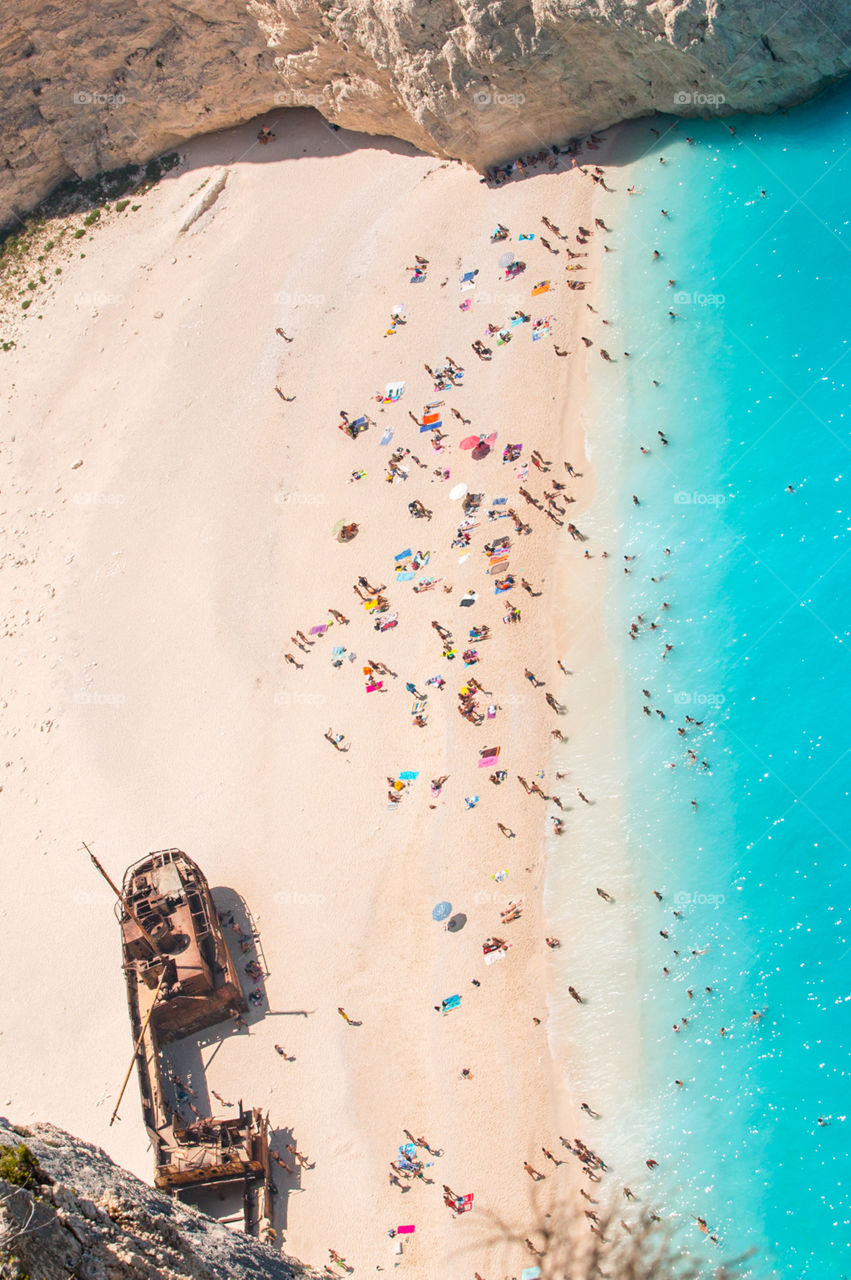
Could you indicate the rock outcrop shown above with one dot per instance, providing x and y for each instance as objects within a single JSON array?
[
  {"x": 88, "y": 87},
  {"x": 94, "y": 1221}
]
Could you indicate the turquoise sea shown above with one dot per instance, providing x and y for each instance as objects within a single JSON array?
[{"x": 754, "y": 396}]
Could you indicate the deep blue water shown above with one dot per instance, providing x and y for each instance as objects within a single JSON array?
[{"x": 754, "y": 396}]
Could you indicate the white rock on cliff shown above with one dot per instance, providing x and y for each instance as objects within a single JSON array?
[{"x": 88, "y": 87}]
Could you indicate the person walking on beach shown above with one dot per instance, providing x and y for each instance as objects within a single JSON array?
[
  {"x": 336, "y": 740},
  {"x": 288, "y": 657},
  {"x": 533, "y": 1173},
  {"x": 506, "y": 831},
  {"x": 575, "y": 994},
  {"x": 607, "y": 897},
  {"x": 533, "y": 679}
]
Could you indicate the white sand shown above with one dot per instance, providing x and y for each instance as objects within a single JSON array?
[{"x": 149, "y": 597}]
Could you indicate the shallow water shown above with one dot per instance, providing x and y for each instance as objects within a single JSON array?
[{"x": 753, "y": 398}]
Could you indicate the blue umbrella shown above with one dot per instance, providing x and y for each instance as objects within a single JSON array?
[{"x": 441, "y": 911}]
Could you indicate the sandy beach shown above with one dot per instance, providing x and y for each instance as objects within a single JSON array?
[{"x": 168, "y": 529}]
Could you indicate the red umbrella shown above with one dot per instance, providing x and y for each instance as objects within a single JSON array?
[{"x": 470, "y": 442}]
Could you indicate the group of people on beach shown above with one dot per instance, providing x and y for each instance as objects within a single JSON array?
[{"x": 552, "y": 503}]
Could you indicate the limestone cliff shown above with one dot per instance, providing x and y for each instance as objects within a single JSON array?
[
  {"x": 91, "y": 86},
  {"x": 94, "y": 1221}
]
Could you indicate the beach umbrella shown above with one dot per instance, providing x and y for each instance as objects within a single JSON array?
[
  {"x": 470, "y": 442},
  {"x": 459, "y": 491},
  {"x": 506, "y": 259},
  {"x": 481, "y": 450},
  {"x": 441, "y": 911},
  {"x": 457, "y": 922}
]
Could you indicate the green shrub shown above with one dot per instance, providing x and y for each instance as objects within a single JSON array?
[
  {"x": 91, "y": 218},
  {"x": 19, "y": 1166},
  {"x": 121, "y": 205},
  {"x": 79, "y": 233}
]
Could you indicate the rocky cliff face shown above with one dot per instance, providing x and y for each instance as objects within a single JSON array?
[
  {"x": 87, "y": 87},
  {"x": 97, "y": 1222}
]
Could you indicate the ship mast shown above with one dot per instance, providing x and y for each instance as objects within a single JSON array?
[
  {"x": 126, "y": 905},
  {"x": 136, "y": 1046}
]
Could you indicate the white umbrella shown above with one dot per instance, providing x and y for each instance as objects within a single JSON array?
[{"x": 459, "y": 491}]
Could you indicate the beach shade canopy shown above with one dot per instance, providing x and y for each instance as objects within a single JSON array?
[
  {"x": 470, "y": 442},
  {"x": 506, "y": 259},
  {"x": 457, "y": 492},
  {"x": 441, "y": 911},
  {"x": 457, "y": 922}
]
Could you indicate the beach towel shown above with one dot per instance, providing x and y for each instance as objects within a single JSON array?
[
  {"x": 409, "y": 775},
  {"x": 419, "y": 705},
  {"x": 371, "y": 688},
  {"x": 515, "y": 321},
  {"x": 451, "y": 1002},
  {"x": 465, "y": 305},
  {"x": 404, "y": 1231},
  {"x": 530, "y": 1273},
  {"x": 394, "y": 391},
  {"x": 487, "y": 761},
  {"x": 527, "y": 235},
  {"x": 408, "y": 1151},
  {"x": 492, "y": 956},
  {"x": 404, "y": 555},
  {"x": 498, "y": 502},
  {"x": 319, "y": 631},
  {"x": 541, "y": 287},
  {"x": 523, "y": 472},
  {"x": 387, "y": 437},
  {"x": 405, "y": 576},
  {"x": 431, "y": 426}
]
